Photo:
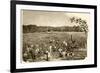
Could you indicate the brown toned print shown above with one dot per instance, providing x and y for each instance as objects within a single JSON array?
[{"x": 54, "y": 36}]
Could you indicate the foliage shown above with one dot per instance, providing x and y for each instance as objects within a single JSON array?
[
  {"x": 82, "y": 23},
  {"x": 57, "y": 40},
  {"x": 34, "y": 28}
]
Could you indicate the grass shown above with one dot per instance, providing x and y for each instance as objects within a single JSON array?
[{"x": 46, "y": 39}]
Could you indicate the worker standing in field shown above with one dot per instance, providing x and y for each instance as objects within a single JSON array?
[
  {"x": 47, "y": 55},
  {"x": 60, "y": 52}
]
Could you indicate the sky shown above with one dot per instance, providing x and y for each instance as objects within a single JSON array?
[{"x": 51, "y": 18}]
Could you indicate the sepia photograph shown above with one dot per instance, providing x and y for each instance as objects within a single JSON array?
[{"x": 54, "y": 35}]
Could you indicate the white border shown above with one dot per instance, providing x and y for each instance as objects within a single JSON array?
[{"x": 90, "y": 49}]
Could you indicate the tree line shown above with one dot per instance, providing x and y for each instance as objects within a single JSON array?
[{"x": 33, "y": 28}]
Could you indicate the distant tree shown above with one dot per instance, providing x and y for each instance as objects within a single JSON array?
[
  {"x": 29, "y": 28},
  {"x": 77, "y": 28}
]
